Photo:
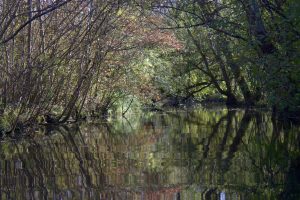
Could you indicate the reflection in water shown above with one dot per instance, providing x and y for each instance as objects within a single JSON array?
[{"x": 200, "y": 154}]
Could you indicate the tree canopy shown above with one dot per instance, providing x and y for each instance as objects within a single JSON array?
[{"x": 64, "y": 60}]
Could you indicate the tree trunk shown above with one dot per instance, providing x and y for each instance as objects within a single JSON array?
[
  {"x": 231, "y": 100},
  {"x": 249, "y": 98},
  {"x": 257, "y": 28}
]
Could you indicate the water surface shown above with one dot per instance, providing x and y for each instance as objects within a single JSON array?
[{"x": 195, "y": 154}]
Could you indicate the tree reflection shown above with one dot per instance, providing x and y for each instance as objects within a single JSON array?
[
  {"x": 206, "y": 154},
  {"x": 247, "y": 152}
]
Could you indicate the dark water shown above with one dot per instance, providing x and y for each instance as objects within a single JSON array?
[{"x": 200, "y": 154}]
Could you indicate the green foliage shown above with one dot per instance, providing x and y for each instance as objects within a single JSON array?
[
  {"x": 98, "y": 54},
  {"x": 7, "y": 119}
]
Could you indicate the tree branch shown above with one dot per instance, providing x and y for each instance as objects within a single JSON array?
[{"x": 21, "y": 27}]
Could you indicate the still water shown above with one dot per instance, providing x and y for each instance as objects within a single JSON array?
[{"x": 195, "y": 154}]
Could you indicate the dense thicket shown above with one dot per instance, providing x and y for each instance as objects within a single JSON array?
[
  {"x": 244, "y": 50},
  {"x": 60, "y": 59}
]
